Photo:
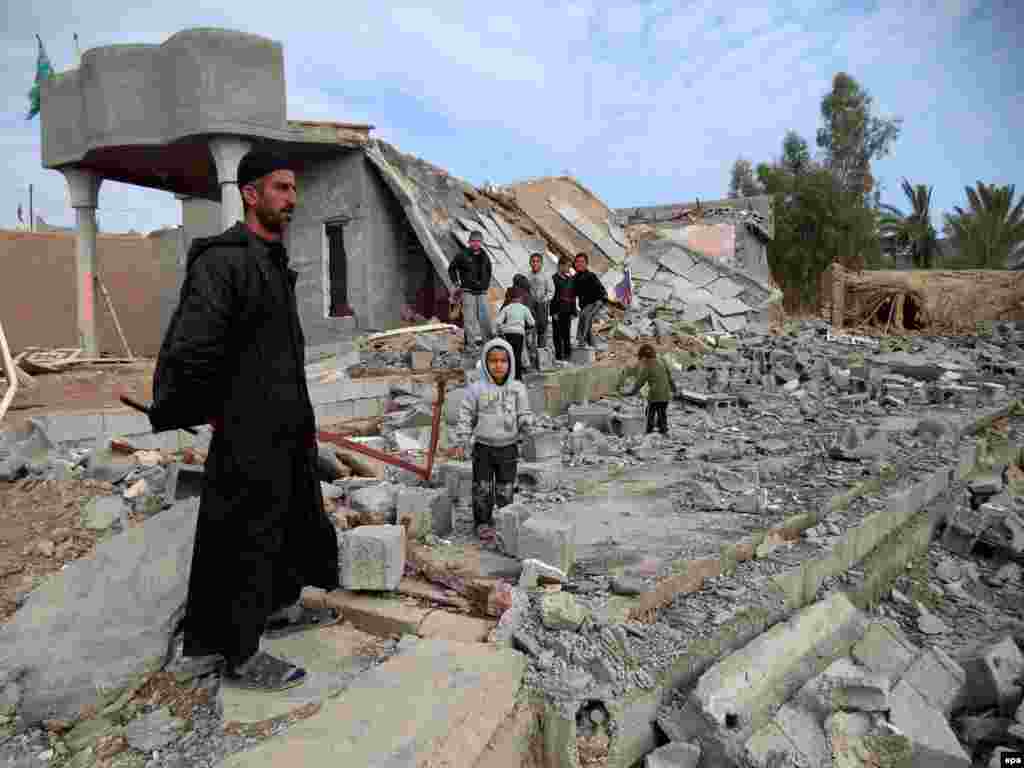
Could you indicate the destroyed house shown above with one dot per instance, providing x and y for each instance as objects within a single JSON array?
[{"x": 375, "y": 229}]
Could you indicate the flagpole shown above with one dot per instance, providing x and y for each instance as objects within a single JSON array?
[
  {"x": 31, "y": 211},
  {"x": 78, "y": 50}
]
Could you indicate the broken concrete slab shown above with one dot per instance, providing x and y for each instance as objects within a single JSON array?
[
  {"x": 536, "y": 572},
  {"x": 103, "y": 621},
  {"x": 933, "y": 741},
  {"x": 372, "y": 557},
  {"x": 509, "y": 522},
  {"x": 938, "y": 678},
  {"x": 414, "y": 687},
  {"x": 560, "y": 611},
  {"x": 678, "y": 754},
  {"x": 551, "y": 541}
]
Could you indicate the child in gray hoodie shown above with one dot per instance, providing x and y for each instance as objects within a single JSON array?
[{"x": 493, "y": 415}]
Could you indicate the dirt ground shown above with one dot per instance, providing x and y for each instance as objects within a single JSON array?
[{"x": 84, "y": 388}]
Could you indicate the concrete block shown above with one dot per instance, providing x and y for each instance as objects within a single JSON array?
[
  {"x": 560, "y": 611},
  {"x": 738, "y": 695},
  {"x": 457, "y": 477},
  {"x": 594, "y": 416},
  {"x": 583, "y": 356},
  {"x": 991, "y": 678},
  {"x": 421, "y": 359},
  {"x": 844, "y": 685},
  {"x": 628, "y": 425},
  {"x": 372, "y": 557},
  {"x": 336, "y": 411},
  {"x": 428, "y": 510},
  {"x": 127, "y": 423},
  {"x": 884, "y": 650},
  {"x": 678, "y": 754},
  {"x": 541, "y": 446},
  {"x": 938, "y": 678},
  {"x": 508, "y": 522},
  {"x": 379, "y": 502},
  {"x": 552, "y": 541},
  {"x": 934, "y": 743},
  {"x": 183, "y": 482}
]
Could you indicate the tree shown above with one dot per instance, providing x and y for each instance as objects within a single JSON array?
[
  {"x": 915, "y": 231},
  {"x": 796, "y": 157},
  {"x": 991, "y": 230},
  {"x": 852, "y": 136},
  {"x": 742, "y": 182}
]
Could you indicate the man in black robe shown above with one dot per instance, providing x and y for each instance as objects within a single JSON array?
[{"x": 233, "y": 357}]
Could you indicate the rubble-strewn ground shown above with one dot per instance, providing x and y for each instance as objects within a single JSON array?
[{"x": 796, "y": 442}]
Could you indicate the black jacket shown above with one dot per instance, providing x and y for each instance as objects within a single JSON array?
[
  {"x": 471, "y": 272},
  {"x": 588, "y": 288},
  {"x": 234, "y": 354},
  {"x": 564, "y": 300}
]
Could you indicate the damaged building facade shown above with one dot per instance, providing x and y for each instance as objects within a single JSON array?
[{"x": 375, "y": 228}]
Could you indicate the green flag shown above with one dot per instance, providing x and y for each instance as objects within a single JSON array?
[{"x": 43, "y": 72}]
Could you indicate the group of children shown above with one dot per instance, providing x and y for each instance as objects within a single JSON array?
[
  {"x": 495, "y": 415},
  {"x": 533, "y": 300}
]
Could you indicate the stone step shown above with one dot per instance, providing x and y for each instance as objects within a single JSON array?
[{"x": 435, "y": 703}]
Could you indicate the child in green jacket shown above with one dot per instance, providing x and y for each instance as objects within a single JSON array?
[{"x": 660, "y": 388}]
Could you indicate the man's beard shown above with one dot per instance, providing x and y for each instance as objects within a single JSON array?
[{"x": 273, "y": 221}]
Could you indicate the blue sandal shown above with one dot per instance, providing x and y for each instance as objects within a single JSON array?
[{"x": 264, "y": 672}]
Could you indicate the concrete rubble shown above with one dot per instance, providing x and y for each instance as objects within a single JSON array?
[{"x": 625, "y": 554}]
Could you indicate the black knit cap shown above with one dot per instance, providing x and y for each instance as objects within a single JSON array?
[{"x": 257, "y": 163}]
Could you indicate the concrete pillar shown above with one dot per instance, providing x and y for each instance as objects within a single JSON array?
[
  {"x": 228, "y": 152},
  {"x": 84, "y": 190}
]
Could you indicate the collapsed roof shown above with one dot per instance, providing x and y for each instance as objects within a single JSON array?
[{"x": 559, "y": 216}]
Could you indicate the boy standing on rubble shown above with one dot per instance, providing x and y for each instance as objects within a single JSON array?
[
  {"x": 493, "y": 415},
  {"x": 563, "y": 307},
  {"x": 470, "y": 271},
  {"x": 660, "y": 387},
  {"x": 515, "y": 322},
  {"x": 592, "y": 296},
  {"x": 540, "y": 296}
]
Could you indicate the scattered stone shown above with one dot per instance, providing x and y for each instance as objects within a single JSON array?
[
  {"x": 929, "y": 623},
  {"x": 560, "y": 611},
  {"x": 1009, "y": 572},
  {"x": 938, "y": 678},
  {"x": 153, "y": 731},
  {"x": 372, "y": 557},
  {"x": 948, "y": 571},
  {"x": 102, "y": 512},
  {"x": 627, "y": 586},
  {"x": 933, "y": 740}
]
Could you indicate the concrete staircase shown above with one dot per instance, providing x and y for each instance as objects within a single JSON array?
[{"x": 435, "y": 703}]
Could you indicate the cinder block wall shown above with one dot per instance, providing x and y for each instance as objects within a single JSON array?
[{"x": 38, "y": 297}]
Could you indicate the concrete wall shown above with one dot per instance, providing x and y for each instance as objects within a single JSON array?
[
  {"x": 37, "y": 290},
  {"x": 198, "y": 81}
]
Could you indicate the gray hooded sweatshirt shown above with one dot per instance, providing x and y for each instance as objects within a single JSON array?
[{"x": 491, "y": 414}]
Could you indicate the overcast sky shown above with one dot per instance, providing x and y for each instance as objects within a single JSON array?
[{"x": 645, "y": 103}]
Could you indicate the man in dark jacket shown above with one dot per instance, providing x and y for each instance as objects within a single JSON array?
[
  {"x": 592, "y": 296},
  {"x": 471, "y": 273},
  {"x": 233, "y": 356}
]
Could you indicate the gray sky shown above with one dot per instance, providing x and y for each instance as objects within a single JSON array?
[{"x": 643, "y": 102}]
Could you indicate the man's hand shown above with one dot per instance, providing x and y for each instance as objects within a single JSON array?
[{"x": 458, "y": 453}]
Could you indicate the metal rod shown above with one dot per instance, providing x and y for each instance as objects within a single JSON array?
[
  {"x": 31, "y": 211},
  {"x": 421, "y": 472}
]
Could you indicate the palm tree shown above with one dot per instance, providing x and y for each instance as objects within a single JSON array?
[
  {"x": 914, "y": 232},
  {"x": 992, "y": 230}
]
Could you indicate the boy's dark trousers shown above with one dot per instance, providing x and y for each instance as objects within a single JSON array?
[
  {"x": 561, "y": 326},
  {"x": 540, "y": 315},
  {"x": 494, "y": 480},
  {"x": 515, "y": 340},
  {"x": 657, "y": 417}
]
